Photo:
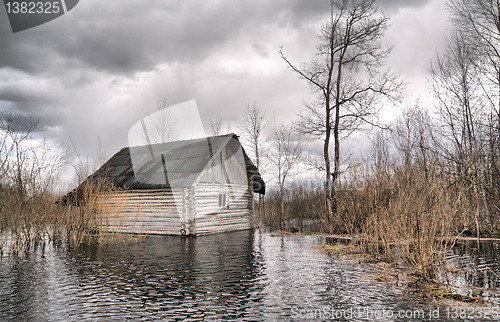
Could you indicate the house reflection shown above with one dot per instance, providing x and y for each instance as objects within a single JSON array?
[{"x": 169, "y": 274}]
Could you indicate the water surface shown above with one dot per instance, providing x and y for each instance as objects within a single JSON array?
[
  {"x": 473, "y": 264},
  {"x": 246, "y": 275}
]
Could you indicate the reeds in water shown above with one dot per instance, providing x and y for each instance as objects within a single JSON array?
[{"x": 83, "y": 216}]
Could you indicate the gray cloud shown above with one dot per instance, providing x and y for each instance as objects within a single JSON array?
[
  {"x": 131, "y": 37},
  {"x": 136, "y": 36},
  {"x": 101, "y": 67},
  {"x": 99, "y": 40},
  {"x": 389, "y": 6}
]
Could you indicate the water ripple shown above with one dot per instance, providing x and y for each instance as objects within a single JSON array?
[{"x": 243, "y": 275}]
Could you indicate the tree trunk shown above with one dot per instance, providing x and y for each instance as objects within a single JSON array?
[
  {"x": 282, "y": 207},
  {"x": 329, "y": 189}
]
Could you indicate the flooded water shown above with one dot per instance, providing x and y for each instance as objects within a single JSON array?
[
  {"x": 473, "y": 264},
  {"x": 246, "y": 275}
]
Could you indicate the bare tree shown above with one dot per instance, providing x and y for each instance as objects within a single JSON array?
[
  {"x": 284, "y": 152},
  {"x": 347, "y": 76},
  {"x": 84, "y": 166},
  {"x": 18, "y": 130},
  {"x": 456, "y": 85},
  {"x": 30, "y": 162},
  {"x": 479, "y": 24},
  {"x": 413, "y": 136},
  {"x": 457, "y": 88},
  {"x": 3, "y": 155},
  {"x": 252, "y": 127},
  {"x": 381, "y": 156},
  {"x": 216, "y": 126},
  {"x": 163, "y": 124},
  {"x": 29, "y": 165}
]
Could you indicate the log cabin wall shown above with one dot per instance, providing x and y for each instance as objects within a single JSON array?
[
  {"x": 195, "y": 209},
  {"x": 147, "y": 211},
  {"x": 212, "y": 218}
]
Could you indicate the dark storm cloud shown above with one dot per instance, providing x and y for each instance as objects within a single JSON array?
[
  {"x": 390, "y": 6},
  {"x": 123, "y": 38},
  {"x": 26, "y": 52},
  {"x": 302, "y": 10},
  {"x": 126, "y": 37},
  {"x": 46, "y": 111}
]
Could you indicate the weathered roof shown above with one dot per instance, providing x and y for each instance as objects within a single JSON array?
[{"x": 184, "y": 161}]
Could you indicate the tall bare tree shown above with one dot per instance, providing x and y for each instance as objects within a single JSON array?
[
  {"x": 479, "y": 23},
  {"x": 252, "y": 127},
  {"x": 457, "y": 87},
  {"x": 347, "y": 75},
  {"x": 284, "y": 153},
  {"x": 413, "y": 135},
  {"x": 19, "y": 131},
  {"x": 4, "y": 149}
]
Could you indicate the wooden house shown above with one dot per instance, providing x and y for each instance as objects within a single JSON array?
[{"x": 189, "y": 187}]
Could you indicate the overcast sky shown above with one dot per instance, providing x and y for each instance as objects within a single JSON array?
[{"x": 101, "y": 67}]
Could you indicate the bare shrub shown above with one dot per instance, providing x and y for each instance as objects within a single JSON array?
[
  {"x": 414, "y": 221},
  {"x": 95, "y": 211},
  {"x": 30, "y": 211},
  {"x": 303, "y": 204}
]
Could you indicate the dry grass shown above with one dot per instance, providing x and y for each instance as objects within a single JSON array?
[
  {"x": 406, "y": 215},
  {"x": 98, "y": 212},
  {"x": 416, "y": 218},
  {"x": 340, "y": 249},
  {"x": 81, "y": 217}
]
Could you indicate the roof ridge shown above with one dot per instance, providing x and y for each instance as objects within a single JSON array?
[{"x": 187, "y": 140}]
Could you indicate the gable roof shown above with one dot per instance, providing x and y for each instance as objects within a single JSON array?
[{"x": 183, "y": 161}]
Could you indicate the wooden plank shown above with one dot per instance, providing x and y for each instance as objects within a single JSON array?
[
  {"x": 212, "y": 218},
  {"x": 160, "y": 211}
]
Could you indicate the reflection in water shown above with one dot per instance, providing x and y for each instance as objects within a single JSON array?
[
  {"x": 242, "y": 275},
  {"x": 477, "y": 264}
]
